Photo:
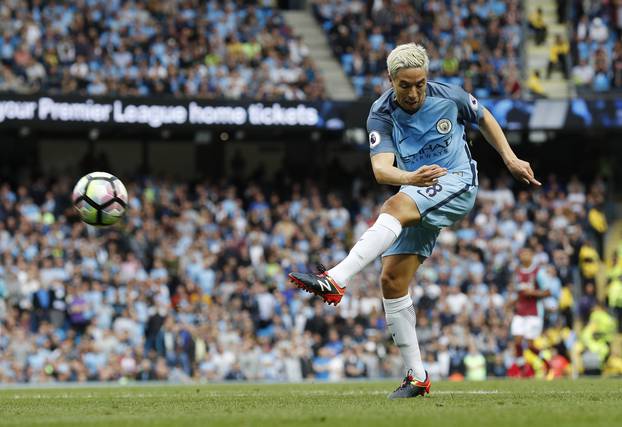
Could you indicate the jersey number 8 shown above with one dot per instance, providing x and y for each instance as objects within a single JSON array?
[{"x": 433, "y": 190}]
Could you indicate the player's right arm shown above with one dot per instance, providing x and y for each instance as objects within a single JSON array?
[
  {"x": 382, "y": 148},
  {"x": 386, "y": 173}
]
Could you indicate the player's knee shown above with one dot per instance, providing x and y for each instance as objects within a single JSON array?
[
  {"x": 393, "y": 286},
  {"x": 401, "y": 207},
  {"x": 391, "y": 207}
]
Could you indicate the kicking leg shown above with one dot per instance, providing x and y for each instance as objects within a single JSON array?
[{"x": 398, "y": 211}]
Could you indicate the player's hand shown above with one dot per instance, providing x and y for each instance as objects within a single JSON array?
[
  {"x": 521, "y": 170},
  {"x": 426, "y": 175}
]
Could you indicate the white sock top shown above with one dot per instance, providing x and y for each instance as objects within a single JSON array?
[
  {"x": 390, "y": 222},
  {"x": 395, "y": 305},
  {"x": 376, "y": 240}
]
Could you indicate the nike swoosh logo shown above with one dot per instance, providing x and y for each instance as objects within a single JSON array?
[{"x": 403, "y": 139}]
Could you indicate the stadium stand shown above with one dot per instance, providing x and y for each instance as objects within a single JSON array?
[
  {"x": 596, "y": 49},
  {"x": 193, "y": 285},
  {"x": 474, "y": 44},
  {"x": 182, "y": 48},
  {"x": 199, "y": 291}
]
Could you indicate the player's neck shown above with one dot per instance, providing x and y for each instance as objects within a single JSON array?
[{"x": 406, "y": 110}]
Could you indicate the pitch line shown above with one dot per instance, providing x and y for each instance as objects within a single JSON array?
[{"x": 208, "y": 394}]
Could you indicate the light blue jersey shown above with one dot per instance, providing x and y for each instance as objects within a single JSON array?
[{"x": 435, "y": 134}]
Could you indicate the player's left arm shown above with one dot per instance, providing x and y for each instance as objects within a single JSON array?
[
  {"x": 470, "y": 110},
  {"x": 535, "y": 293},
  {"x": 520, "y": 169}
]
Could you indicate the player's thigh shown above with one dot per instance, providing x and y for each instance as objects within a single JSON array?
[
  {"x": 402, "y": 207},
  {"x": 517, "y": 329},
  {"x": 444, "y": 203},
  {"x": 414, "y": 240},
  {"x": 397, "y": 272},
  {"x": 533, "y": 327}
]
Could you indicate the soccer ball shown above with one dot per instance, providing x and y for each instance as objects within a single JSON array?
[{"x": 100, "y": 198}]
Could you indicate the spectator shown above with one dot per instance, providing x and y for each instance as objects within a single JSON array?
[
  {"x": 145, "y": 301},
  {"x": 596, "y": 45},
  {"x": 235, "y": 373},
  {"x": 475, "y": 364},
  {"x": 595, "y": 340},
  {"x": 614, "y": 297},
  {"x": 562, "y": 11},
  {"x": 558, "y": 57},
  {"x": 583, "y": 74},
  {"x": 534, "y": 84},
  {"x": 498, "y": 368},
  {"x": 353, "y": 364},
  {"x": 566, "y": 305},
  {"x": 538, "y": 26},
  {"x": 215, "y": 49},
  {"x": 559, "y": 365},
  {"x": 613, "y": 368},
  {"x": 597, "y": 222},
  {"x": 321, "y": 364},
  {"x": 460, "y": 40},
  {"x": 616, "y": 65},
  {"x": 582, "y": 28},
  {"x": 587, "y": 301},
  {"x": 589, "y": 261},
  {"x": 598, "y": 31},
  {"x": 602, "y": 78}
]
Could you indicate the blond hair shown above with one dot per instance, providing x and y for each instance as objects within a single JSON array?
[{"x": 409, "y": 55}]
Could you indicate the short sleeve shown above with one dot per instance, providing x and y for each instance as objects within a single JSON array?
[
  {"x": 380, "y": 131},
  {"x": 469, "y": 108}
]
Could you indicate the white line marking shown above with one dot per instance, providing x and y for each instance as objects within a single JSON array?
[
  {"x": 469, "y": 392},
  {"x": 203, "y": 393},
  {"x": 207, "y": 393}
]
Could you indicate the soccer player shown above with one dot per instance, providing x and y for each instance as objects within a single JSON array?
[
  {"x": 419, "y": 126},
  {"x": 526, "y": 322}
]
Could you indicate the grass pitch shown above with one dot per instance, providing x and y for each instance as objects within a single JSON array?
[{"x": 492, "y": 403}]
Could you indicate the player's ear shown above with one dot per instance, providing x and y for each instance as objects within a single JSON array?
[{"x": 389, "y": 76}]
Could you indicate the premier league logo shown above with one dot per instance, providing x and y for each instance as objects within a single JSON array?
[
  {"x": 443, "y": 126},
  {"x": 374, "y": 139},
  {"x": 474, "y": 103}
]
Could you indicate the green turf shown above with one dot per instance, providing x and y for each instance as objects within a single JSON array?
[{"x": 493, "y": 403}]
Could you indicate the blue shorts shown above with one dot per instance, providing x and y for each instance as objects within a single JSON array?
[{"x": 440, "y": 205}]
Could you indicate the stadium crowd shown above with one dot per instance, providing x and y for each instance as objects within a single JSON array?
[
  {"x": 210, "y": 49},
  {"x": 596, "y": 50},
  {"x": 192, "y": 286},
  {"x": 475, "y": 44}
]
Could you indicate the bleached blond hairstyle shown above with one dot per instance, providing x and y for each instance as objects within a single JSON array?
[{"x": 409, "y": 55}]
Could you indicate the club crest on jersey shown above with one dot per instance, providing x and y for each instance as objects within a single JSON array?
[
  {"x": 374, "y": 139},
  {"x": 443, "y": 126}
]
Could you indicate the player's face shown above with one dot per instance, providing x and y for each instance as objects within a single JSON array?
[
  {"x": 409, "y": 85},
  {"x": 525, "y": 256}
]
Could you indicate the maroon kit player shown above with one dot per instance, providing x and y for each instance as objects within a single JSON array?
[{"x": 527, "y": 322}]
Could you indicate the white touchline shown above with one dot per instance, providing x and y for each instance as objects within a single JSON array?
[
  {"x": 469, "y": 392},
  {"x": 206, "y": 393}
]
